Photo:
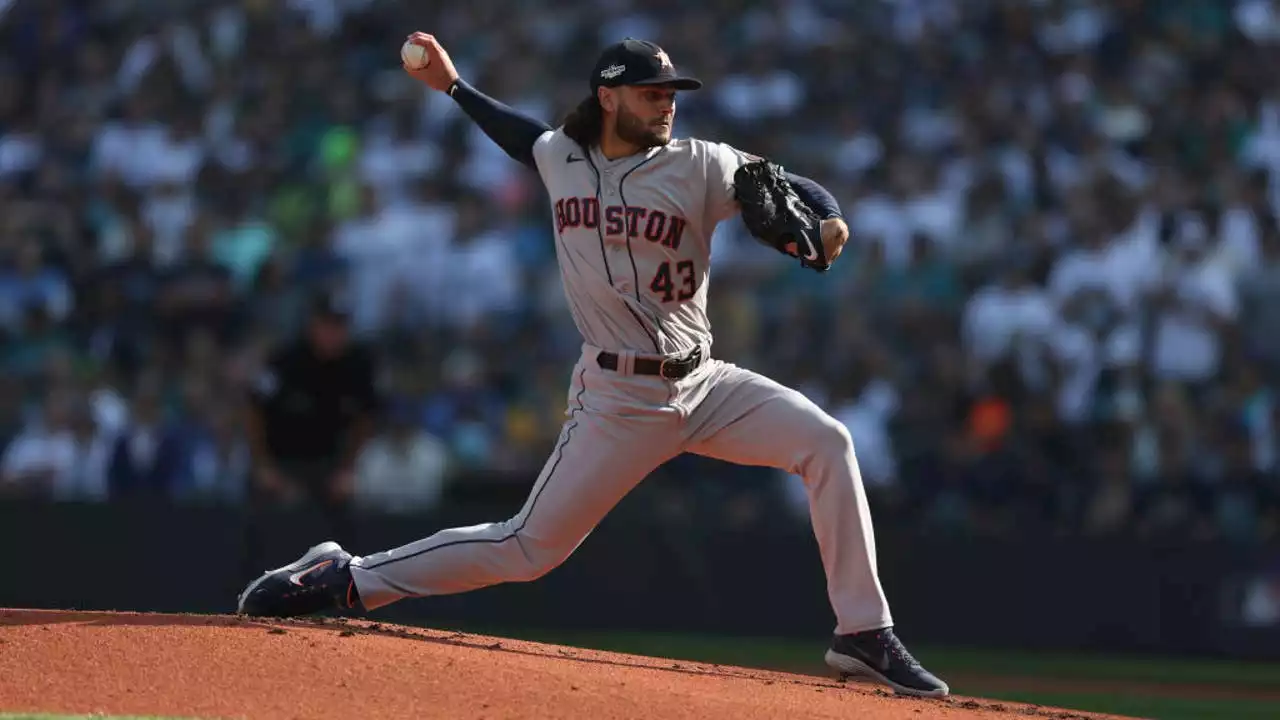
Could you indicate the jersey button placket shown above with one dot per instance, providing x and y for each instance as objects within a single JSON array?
[{"x": 623, "y": 283}]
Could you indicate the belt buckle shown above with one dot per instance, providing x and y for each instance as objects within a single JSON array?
[
  {"x": 688, "y": 362},
  {"x": 662, "y": 369}
]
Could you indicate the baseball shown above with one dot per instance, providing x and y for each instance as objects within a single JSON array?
[{"x": 414, "y": 56}]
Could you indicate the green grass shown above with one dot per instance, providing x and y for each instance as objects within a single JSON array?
[
  {"x": 992, "y": 667},
  {"x": 799, "y": 655},
  {"x": 1126, "y": 668}
]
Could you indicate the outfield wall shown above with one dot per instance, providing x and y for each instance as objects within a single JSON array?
[{"x": 637, "y": 573}]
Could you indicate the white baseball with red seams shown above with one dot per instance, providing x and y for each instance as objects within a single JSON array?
[{"x": 414, "y": 56}]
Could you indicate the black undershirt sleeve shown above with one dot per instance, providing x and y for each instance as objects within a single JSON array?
[
  {"x": 513, "y": 131},
  {"x": 815, "y": 196}
]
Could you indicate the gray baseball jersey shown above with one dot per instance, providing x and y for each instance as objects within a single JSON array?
[
  {"x": 634, "y": 238},
  {"x": 633, "y": 244}
]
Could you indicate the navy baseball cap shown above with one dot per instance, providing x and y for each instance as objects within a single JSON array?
[{"x": 638, "y": 62}]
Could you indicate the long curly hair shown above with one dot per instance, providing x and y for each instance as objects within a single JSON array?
[{"x": 585, "y": 122}]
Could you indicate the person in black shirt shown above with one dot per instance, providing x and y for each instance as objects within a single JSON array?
[
  {"x": 196, "y": 294},
  {"x": 311, "y": 410}
]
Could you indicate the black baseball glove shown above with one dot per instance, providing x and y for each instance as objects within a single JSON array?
[{"x": 776, "y": 216}]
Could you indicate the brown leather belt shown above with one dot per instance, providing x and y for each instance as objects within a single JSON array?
[{"x": 668, "y": 368}]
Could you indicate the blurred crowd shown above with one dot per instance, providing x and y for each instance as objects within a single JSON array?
[{"x": 1052, "y": 313}]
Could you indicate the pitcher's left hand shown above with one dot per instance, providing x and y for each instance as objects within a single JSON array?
[{"x": 835, "y": 233}]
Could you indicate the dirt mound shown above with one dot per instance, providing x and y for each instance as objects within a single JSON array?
[{"x": 228, "y": 667}]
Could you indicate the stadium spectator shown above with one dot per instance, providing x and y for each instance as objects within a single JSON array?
[
  {"x": 1064, "y": 236},
  {"x": 310, "y": 413},
  {"x": 403, "y": 469}
]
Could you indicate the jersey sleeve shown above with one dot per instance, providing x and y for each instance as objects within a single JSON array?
[
  {"x": 722, "y": 161},
  {"x": 543, "y": 149}
]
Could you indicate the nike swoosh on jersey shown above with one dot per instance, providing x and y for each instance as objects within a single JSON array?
[
  {"x": 296, "y": 578},
  {"x": 572, "y": 159}
]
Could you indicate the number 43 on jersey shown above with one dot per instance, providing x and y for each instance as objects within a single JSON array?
[{"x": 674, "y": 281}]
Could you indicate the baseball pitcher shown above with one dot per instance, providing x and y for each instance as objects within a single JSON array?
[{"x": 634, "y": 211}]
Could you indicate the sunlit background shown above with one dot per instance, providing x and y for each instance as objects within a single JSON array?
[{"x": 1056, "y": 320}]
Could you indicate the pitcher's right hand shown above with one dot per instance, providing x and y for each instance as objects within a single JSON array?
[{"x": 439, "y": 74}]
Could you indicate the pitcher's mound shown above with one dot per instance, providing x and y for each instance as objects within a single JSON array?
[{"x": 229, "y": 667}]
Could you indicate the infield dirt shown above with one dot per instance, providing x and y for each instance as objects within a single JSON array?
[{"x": 229, "y": 667}]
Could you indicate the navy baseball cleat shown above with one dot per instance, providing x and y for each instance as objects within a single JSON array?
[
  {"x": 879, "y": 654},
  {"x": 317, "y": 581}
]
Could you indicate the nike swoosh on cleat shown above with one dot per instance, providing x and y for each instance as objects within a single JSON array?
[
  {"x": 296, "y": 578},
  {"x": 881, "y": 661}
]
